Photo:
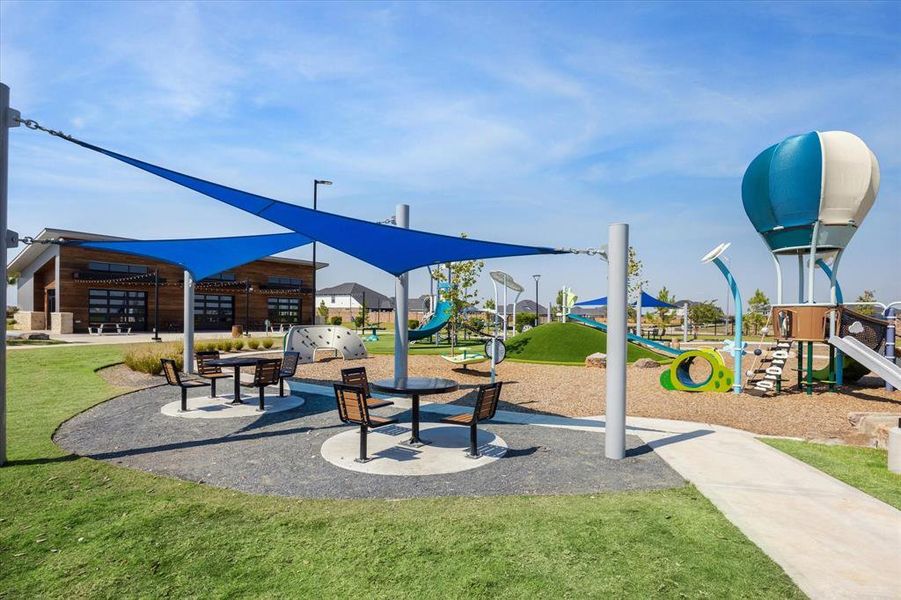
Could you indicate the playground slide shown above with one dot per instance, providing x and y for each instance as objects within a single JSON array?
[
  {"x": 436, "y": 323},
  {"x": 868, "y": 358},
  {"x": 631, "y": 336}
]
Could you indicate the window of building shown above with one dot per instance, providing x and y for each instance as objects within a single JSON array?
[
  {"x": 332, "y": 301},
  {"x": 284, "y": 310},
  {"x": 118, "y": 306},
  {"x": 224, "y": 276},
  {"x": 285, "y": 281},
  {"x": 213, "y": 312},
  {"x": 105, "y": 267}
]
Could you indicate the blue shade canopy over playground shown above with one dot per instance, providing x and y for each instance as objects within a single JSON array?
[
  {"x": 392, "y": 249},
  {"x": 647, "y": 301},
  {"x": 206, "y": 256}
]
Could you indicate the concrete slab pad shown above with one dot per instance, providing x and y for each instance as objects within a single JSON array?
[
  {"x": 389, "y": 454},
  {"x": 218, "y": 407}
]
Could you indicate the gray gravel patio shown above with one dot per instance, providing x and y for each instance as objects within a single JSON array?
[{"x": 279, "y": 453}]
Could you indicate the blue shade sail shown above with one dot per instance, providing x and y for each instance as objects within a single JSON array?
[
  {"x": 649, "y": 301},
  {"x": 206, "y": 256},
  {"x": 596, "y": 302},
  {"x": 392, "y": 249}
]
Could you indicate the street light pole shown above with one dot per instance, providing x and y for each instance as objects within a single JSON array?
[
  {"x": 537, "y": 315},
  {"x": 316, "y": 184}
]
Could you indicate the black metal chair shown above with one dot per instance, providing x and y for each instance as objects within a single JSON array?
[
  {"x": 486, "y": 406},
  {"x": 288, "y": 368},
  {"x": 356, "y": 376},
  {"x": 208, "y": 371},
  {"x": 351, "y": 400},
  {"x": 265, "y": 374},
  {"x": 170, "y": 370}
]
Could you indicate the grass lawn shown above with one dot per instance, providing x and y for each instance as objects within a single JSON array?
[
  {"x": 864, "y": 468},
  {"x": 385, "y": 345},
  {"x": 567, "y": 343},
  {"x": 74, "y": 528}
]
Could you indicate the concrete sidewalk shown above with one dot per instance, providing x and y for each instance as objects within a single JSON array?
[{"x": 833, "y": 540}]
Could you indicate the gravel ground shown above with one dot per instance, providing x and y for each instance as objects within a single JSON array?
[
  {"x": 580, "y": 391},
  {"x": 279, "y": 454}
]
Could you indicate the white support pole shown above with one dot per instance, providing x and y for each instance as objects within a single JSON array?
[
  {"x": 801, "y": 279},
  {"x": 505, "y": 307},
  {"x": 7, "y": 120},
  {"x": 515, "y": 301},
  {"x": 401, "y": 295},
  {"x": 638, "y": 314},
  {"x": 812, "y": 263},
  {"x": 494, "y": 318},
  {"x": 685, "y": 324},
  {"x": 188, "y": 314},
  {"x": 617, "y": 305}
]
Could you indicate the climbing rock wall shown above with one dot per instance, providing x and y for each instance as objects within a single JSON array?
[{"x": 307, "y": 339}]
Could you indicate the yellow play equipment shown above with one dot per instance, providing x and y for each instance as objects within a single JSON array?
[{"x": 678, "y": 376}]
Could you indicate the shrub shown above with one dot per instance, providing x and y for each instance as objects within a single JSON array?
[
  {"x": 239, "y": 344},
  {"x": 359, "y": 321},
  {"x": 524, "y": 318},
  {"x": 145, "y": 358},
  {"x": 267, "y": 343},
  {"x": 224, "y": 345},
  {"x": 413, "y": 324},
  {"x": 253, "y": 343},
  {"x": 337, "y": 320}
]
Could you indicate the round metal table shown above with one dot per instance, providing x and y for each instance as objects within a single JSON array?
[
  {"x": 415, "y": 387},
  {"x": 237, "y": 362}
]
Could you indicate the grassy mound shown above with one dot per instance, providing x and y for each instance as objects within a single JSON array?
[{"x": 567, "y": 343}]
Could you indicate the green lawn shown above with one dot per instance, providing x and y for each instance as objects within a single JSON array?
[
  {"x": 567, "y": 344},
  {"x": 385, "y": 345},
  {"x": 75, "y": 528},
  {"x": 864, "y": 468}
]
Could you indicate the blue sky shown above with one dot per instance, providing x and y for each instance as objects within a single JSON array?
[{"x": 535, "y": 123}]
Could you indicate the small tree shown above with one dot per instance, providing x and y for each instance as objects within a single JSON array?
[
  {"x": 702, "y": 313},
  {"x": 360, "y": 319},
  {"x": 663, "y": 316},
  {"x": 323, "y": 311},
  {"x": 461, "y": 293},
  {"x": 524, "y": 318},
  {"x": 867, "y": 296},
  {"x": 635, "y": 267},
  {"x": 758, "y": 309}
]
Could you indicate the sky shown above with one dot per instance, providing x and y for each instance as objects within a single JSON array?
[{"x": 532, "y": 123}]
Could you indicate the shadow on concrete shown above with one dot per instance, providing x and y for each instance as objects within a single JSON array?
[{"x": 673, "y": 439}]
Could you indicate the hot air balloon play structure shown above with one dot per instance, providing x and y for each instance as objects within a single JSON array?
[{"x": 807, "y": 196}]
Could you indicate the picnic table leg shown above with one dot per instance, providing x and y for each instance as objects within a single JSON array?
[
  {"x": 415, "y": 440},
  {"x": 237, "y": 398}
]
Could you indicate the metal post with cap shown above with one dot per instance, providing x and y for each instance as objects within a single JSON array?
[{"x": 8, "y": 118}]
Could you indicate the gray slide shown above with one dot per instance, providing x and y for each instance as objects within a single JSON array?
[{"x": 868, "y": 358}]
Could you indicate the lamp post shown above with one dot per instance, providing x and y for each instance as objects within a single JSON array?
[
  {"x": 536, "y": 278},
  {"x": 316, "y": 184},
  {"x": 156, "y": 307}
]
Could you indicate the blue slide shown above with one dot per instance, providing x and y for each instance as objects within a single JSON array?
[
  {"x": 435, "y": 324},
  {"x": 631, "y": 336}
]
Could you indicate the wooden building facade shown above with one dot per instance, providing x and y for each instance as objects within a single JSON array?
[{"x": 100, "y": 287}]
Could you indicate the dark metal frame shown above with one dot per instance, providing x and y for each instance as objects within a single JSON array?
[
  {"x": 474, "y": 420},
  {"x": 170, "y": 370},
  {"x": 211, "y": 372},
  {"x": 288, "y": 369},
  {"x": 358, "y": 392},
  {"x": 262, "y": 378}
]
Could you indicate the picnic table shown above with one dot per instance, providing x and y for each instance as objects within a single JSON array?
[
  {"x": 116, "y": 328},
  {"x": 415, "y": 387},
  {"x": 236, "y": 362}
]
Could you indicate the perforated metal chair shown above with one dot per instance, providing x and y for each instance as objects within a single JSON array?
[
  {"x": 288, "y": 368},
  {"x": 485, "y": 408},
  {"x": 170, "y": 370},
  {"x": 351, "y": 400},
  {"x": 208, "y": 371},
  {"x": 265, "y": 374},
  {"x": 357, "y": 376}
]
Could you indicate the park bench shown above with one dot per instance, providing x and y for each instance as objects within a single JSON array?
[
  {"x": 170, "y": 370},
  {"x": 352, "y": 408},
  {"x": 356, "y": 376}
]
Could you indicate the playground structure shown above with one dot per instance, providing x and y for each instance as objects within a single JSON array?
[
  {"x": 437, "y": 320},
  {"x": 307, "y": 340},
  {"x": 678, "y": 375},
  {"x": 507, "y": 282},
  {"x": 806, "y": 197},
  {"x": 653, "y": 345}
]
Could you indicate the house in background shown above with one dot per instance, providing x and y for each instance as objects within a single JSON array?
[
  {"x": 68, "y": 289},
  {"x": 347, "y": 299}
]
